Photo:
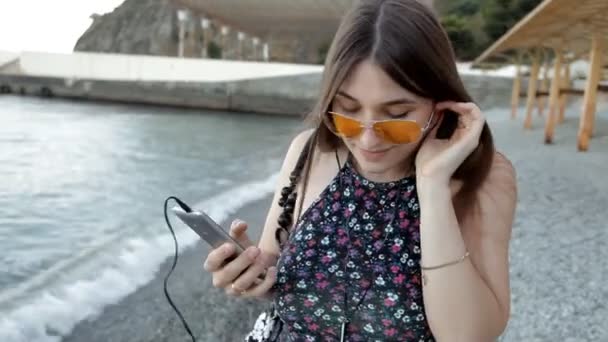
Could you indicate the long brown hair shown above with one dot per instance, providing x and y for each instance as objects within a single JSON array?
[{"x": 406, "y": 40}]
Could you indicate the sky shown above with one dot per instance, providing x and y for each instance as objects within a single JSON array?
[{"x": 47, "y": 25}]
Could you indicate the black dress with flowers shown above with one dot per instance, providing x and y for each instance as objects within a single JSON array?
[{"x": 380, "y": 281}]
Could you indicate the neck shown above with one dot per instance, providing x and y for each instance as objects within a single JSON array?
[{"x": 393, "y": 174}]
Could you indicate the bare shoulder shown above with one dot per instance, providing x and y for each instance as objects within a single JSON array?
[
  {"x": 502, "y": 179},
  {"x": 497, "y": 197},
  {"x": 297, "y": 144}
]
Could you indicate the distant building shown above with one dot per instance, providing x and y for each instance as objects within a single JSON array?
[
  {"x": 297, "y": 31},
  {"x": 294, "y": 30}
]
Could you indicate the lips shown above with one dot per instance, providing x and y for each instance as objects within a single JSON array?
[{"x": 373, "y": 155}]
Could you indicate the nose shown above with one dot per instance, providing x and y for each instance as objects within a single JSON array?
[{"x": 370, "y": 139}]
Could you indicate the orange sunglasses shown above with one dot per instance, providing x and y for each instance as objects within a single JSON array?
[{"x": 395, "y": 131}]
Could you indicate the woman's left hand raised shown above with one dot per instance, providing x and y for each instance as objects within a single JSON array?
[{"x": 438, "y": 159}]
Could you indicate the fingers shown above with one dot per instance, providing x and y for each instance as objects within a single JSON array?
[
  {"x": 257, "y": 289},
  {"x": 257, "y": 280},
  {"x": 232, "y": 270},
  {"x": 217, "y": 257},
  {"x": 458, "y": 107},
  {"x": 247, "y": 279},
  {"x": 238, "y": 231},
  {"x": 470, "y": 115}
]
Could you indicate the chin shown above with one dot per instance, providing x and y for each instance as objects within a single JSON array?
[
  {"x": 375, "y": 163},
  {"x": 380, "y": 163}
]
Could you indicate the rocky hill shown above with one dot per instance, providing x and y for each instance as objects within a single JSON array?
[{"x": 136, "y": 27}]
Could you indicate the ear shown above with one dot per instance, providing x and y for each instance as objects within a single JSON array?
[
  {"x": 435, "y": 124},
  {"x": 446, "y": 124},
  {"x": 439, "y": 117}
]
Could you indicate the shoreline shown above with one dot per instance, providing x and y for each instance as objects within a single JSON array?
[{"x": 145, "y": 315}]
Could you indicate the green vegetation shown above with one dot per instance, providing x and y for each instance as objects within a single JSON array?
[
  {"x": 214, "y": 50},
  {"x": 322, "y": 53},
  {"x": 473, "y": 25},
  {"x": 460, "y": 35}
]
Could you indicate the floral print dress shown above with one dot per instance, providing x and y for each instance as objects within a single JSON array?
[{"x": 380, "y": 281}]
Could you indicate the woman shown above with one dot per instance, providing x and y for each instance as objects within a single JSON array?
[{"x": 404, "y": 207}]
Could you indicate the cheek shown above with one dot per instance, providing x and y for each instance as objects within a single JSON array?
[
  {"x": 402, "y": 152},
  {"x": 349, "y": 144},
  {"x": 421, "y": 115},
  {"x": 420, "y": 118}
]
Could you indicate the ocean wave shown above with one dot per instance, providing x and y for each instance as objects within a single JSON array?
[{"x": 52, "y": 313}]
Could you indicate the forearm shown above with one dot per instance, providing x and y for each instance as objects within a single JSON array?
[{"x": 459, "y": 304}]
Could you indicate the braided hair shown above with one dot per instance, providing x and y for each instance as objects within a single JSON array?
[{"x": 289, "y": 194}]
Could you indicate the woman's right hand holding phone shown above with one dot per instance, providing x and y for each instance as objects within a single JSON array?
[{"x": 251, "y": 274}]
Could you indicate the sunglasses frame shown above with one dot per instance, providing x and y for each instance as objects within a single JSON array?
[{"x": 372, "y": 124}]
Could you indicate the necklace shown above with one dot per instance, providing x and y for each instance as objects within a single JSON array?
[{"x": 344, "y": 320}]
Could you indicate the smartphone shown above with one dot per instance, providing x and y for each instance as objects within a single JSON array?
[{"x": 206, "y": 228}]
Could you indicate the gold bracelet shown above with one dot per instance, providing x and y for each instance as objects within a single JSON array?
[{"x": 447, "y": 263}]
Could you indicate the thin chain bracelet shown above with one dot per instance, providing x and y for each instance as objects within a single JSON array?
[
  {"x": 446, "y": 264},
  {"x": 429, "y": 268}
]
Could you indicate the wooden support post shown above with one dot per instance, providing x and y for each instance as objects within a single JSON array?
[
  {"x": 544, "y": 86},
  {"x": 532, "y": 85},
  {"x": 182, "y": 16},
  {"x": 266, "y": 52},
  {"x": 205, "y": 26},
  {"x": 516, "y": 88},
  {"x": 554, "y": 96},
  {"x": 563, "y": 100},
  {"x": 225, "y": 31},
  {"x": 255, "y": 42},
  {"x": 240, "y": 36},
  {"x": 590, "y": 97}
]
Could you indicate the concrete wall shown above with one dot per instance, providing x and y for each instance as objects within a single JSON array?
[
  {"x": 290, "y": 95},
  {"x": 151, "y": 68},
  {"x": 490, "y": 91},
  {"x": 7, "y": 57},
  {"x": 224, "y": 85}
]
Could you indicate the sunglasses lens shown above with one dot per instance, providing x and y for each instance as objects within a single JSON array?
[
  {"x": 344, "y": 126},
  {"x": 399, "y": 132}
]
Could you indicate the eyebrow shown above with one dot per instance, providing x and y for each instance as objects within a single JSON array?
[{"x": 387, "y": 103}]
